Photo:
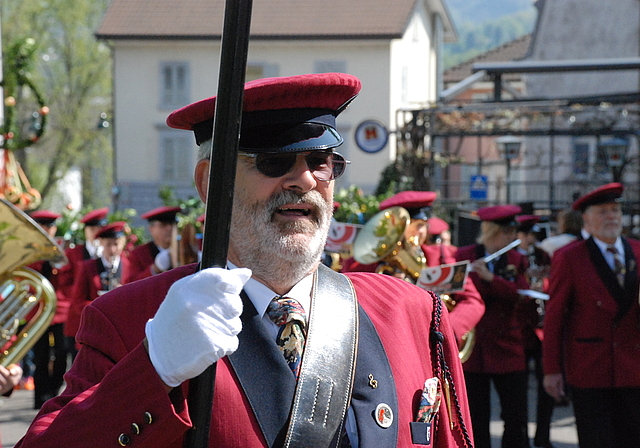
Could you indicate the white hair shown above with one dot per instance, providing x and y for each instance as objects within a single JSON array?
[{"x": 204, "y": 152}]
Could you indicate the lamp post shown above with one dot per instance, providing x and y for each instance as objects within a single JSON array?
[
  {"x": 615, "y": 151},
  {"x": 509, "y": 147}
]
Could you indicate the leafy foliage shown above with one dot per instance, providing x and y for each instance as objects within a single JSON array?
[
  {"x": 73, "y": 71},
  {"x": 70, "y": 229},
  {"x": 356, "y": 207},
  {"x": 192, "y": 207}
]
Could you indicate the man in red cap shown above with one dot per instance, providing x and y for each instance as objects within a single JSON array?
[
  {"x": 592, "y": 333},
  {"x": 498, "y": 356},
  {"x": 93, "y": 221},
  {"x": 469, "y": 307},
  {"x": 99, "y": 275},
  {"x": 143, "y": 342},
  {"x": 154, "y": 257},
  {"x": 439, "y": 239},
  {"x": 49, "y": 379}
]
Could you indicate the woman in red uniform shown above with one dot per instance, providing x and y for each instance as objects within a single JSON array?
[{"x": 498, "y": 356}]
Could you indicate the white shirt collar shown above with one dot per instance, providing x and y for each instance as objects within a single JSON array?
[
  {"x": 603, "y": 246},
  {"x": 93, "y": 248},
  {"x": 107, "y": 264},
  {"x": 260, "y": 295}
]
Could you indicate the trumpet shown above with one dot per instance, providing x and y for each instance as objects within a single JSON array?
[
  {"x": 184, "y": 245},
  {"x": 24, "y": 293}
]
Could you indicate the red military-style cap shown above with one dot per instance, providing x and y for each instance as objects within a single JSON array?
[
  {"x": 97, "y": 217},
  {"x": 292, "y": 114},
  {"x": 45, "y": 217},
  {"x": 500, "y": 214},
  {"x": 604, "y": 194},
  {"x": 527, "y": 223},
  {"x": 417, "y": 203},
  {"x": 163, "y": 214},
  {"x": 436, "y": 225},
  {"x": 113, "y": 230}
]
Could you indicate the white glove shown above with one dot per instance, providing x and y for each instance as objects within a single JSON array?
[
  {"x": 163, "y": 260},
  {"x": 196, "y": 324}
]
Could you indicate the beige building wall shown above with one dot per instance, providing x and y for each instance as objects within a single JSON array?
[{"x": 395, "y": 74}]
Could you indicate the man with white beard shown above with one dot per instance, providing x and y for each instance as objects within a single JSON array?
[
  {"x": 591, "y": 344},
  {"x": 305, "y": 356}
]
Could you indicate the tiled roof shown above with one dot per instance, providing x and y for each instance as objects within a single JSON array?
[
  {"x": 271, "y": 19},
  {"x": 511, "y": 51}
]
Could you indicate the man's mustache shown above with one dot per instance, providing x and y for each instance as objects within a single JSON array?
[{"x": 280, "y": 199}]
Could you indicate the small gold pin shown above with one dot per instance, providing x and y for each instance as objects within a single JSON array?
[{"x": 372, "y": 382}]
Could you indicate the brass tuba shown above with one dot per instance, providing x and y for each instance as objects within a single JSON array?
[
  {"x": 382, "y": 240},
  {"x": 24, "y": 293}
]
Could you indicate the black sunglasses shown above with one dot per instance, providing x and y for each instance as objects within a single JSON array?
[{"x": 323, "y": 165}]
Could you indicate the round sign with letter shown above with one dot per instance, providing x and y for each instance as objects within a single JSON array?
[{"x": 371, "y": 136}]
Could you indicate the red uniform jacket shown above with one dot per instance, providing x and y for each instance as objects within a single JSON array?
[
  {"x": 88, "y": 285},
  {"x": 112, "y": 383},
  {"x": 469, "y": 305},
  {"x": 141, "y": 260},
  {"x": 439, "y": 254},
  {"x": 76, "y": 255},
  {"x": 592, "y": 327},
  {"x": 499, "y": 346}
]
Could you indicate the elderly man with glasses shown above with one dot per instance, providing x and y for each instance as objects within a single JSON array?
[{"x": 305, "y": 356}]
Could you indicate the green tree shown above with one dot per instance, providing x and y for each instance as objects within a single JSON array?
[{"x": 73, "y": 71}]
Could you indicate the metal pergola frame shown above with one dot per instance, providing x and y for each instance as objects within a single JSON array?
[{"x": 613, "y": 115}]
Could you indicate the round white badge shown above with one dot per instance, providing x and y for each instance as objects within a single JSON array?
[{"x": 384, "y": 415}]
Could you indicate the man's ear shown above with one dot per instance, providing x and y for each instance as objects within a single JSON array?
[{"x": 201, "y": 177}]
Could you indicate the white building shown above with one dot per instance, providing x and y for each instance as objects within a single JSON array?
[{"x": 166, "y": 55}]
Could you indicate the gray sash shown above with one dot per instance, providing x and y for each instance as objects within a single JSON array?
[{"x": 328, "y": 366}]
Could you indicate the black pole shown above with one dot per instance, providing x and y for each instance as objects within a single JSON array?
[{"x": 226, "y": 136}]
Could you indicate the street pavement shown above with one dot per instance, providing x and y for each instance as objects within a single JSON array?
[{"x": 16, "y": 413}]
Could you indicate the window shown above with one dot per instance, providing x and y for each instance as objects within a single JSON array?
[
  {"x": 601, "y": 166},
  {"x": 581, "y": 158},
  {"x": 177, "y": 159},
  {"x": 174, "y": 85},
  {"x": 260, "y": 70},
  {"x": 330, "y": 67},
  {"x": 588, "y": 158}
]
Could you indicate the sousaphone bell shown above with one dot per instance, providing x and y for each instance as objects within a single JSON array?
[
  {"x": 24, "y": 293},
  {"x": 382, "y": 240}
]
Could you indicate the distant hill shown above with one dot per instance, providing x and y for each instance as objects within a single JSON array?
[
  {"x": 479, "y": 11},
  {"x": 486, "y": 24}
]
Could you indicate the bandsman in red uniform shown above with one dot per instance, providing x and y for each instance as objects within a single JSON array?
[
  {"x": 98, "y": 276},
  {"x": 469, "y": 307},
  {"x": 439, "y": 240},
  {"x": 498, "y": 356},
  {"x": 591, "y": 328},
  {"x": 145, "y": 341},
  {"x": 154, "y": 257},
  {"x": 93, "y": 222},
  {"x": 48, "y": 376}
]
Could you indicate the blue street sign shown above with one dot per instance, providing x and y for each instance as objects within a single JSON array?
[{"x": 478, "y": 188}]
